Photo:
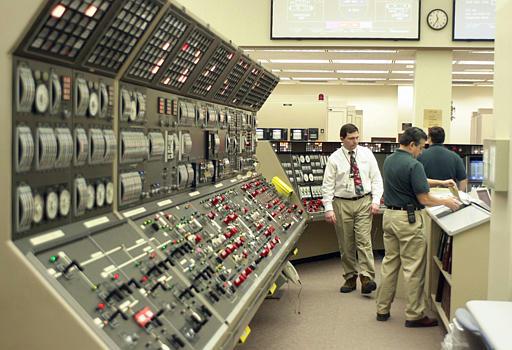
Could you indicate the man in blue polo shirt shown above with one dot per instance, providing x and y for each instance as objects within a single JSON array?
[
  {"x": 440, "y": 163},
  {"x": 406, "y": 192}
]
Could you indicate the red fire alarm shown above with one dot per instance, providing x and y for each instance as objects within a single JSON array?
[{"x": 320, "y": 97}]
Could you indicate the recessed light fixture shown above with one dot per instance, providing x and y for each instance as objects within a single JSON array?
[
  {"x": 315, "y": 78},
  {"x": 362, "y": 79},
  {"x": 362, "y": 61},
  {"x": 483, "y": 63},
  {"x": 401, "y": 72},
  {"x": 298, "y": 61},
  {"x": 404, "y": 61},
  {"x": 472, "y": 73},
  {"x": 307, "y": 71},
  {"x": 361, "y": 51},
  {"x": 355, "y": 71}
]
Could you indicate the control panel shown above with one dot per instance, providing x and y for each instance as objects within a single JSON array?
[
  {"x": 134, "y": 195},
  {"x": 173, "y": 274}
]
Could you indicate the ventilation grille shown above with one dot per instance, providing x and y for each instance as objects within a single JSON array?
[
  {"x": 246, "y": 86},
  {"x": 212, "y": 71},
  {"x": 68, "y": 26},
  {"x": 165, "y": 38},
  {"x": 186, "y": 59},
  {"x": 234, "y": 77},
  {"x": 123, "y": 34}
]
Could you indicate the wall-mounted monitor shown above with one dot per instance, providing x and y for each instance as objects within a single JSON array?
[
  {"x": 260, "y": 134},
  {"x": 313, "y": 134},
  {"x": 345, "y": 19},
  {"x": 279, "y": 134},
  {"x": 298, "y": 134},
  {"x": 476, "y": 170},
  {"x": 474, "y": 20}
]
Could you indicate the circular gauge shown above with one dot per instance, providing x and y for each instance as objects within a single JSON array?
[
  {"x": 310, "y": 177},
  {"x": 133, "y": 111},
  {"x": 64, "y": 202},
  {"x": 100, "y": 194},
  {"x": 305, "y": 177},
  {"x": 307, "y": 159},
  {"x": 301, "y": 159},
  {"x": 90, "y": 197},
  {"x": 42, "y": 100},
  {"x": 52, "y": 205},
  {"x": 38, "y": 209},
  {"x": 94, "y": 104},
  {"x": 109, "y": 193}
]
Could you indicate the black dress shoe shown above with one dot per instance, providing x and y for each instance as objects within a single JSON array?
[
  {"x": 383, "y": 317},
  {"x": 367, "y": 285},
  {"x": 349, "y": 285},
  {"x": 422, "y": 322}
]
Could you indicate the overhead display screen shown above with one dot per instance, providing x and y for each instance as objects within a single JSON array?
[
  {"x": 474, "y": 20},
  {"x": 345, "y": 19}
]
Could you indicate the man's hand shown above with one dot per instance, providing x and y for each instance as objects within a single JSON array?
[
  {"x": 451, "y": 203},
  {"x": 330, "y": 217},
  {"x": 449, "y": 183},
  {"x": 375, "y": 208}
]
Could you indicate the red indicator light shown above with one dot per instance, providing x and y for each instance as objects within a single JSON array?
[
  {"x": 116, "y": 276},
  {"x": 185, "y": 47},
  {"x": 101, "y": 306},
  {"x": 58, "y": 11},
  {"x": 143, "y": 317}
]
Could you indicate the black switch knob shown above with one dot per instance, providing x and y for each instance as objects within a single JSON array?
[{"x": 70, "y": 265}]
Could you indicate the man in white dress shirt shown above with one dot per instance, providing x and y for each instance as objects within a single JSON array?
[{"x": 351, "y": 189}]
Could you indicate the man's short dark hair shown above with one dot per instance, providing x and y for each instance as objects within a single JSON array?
[
  {"x": 436, "y": 134},
  {"x": 413, "y": 134},
  {"x": 348, "y": 129}
]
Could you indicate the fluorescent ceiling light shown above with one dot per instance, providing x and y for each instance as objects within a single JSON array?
[
  {"x": 317, "y": 78},
  {"x": 401, "y": 79},
  {"x": 362, "y": 79},
  {"x": 485, "y": 63},
  {"x": 409, "y": 66},
  {"x": 276, "y": 70},
  {"x": 472, "y": 73},
  {"x": 363, "y": 51},
  {"x": 484, "y": 85},
  {"x": 402, "y": 72},
  {"x": 472, "y": 80},
  {"x": 355, "y": 71},
  {"x": 307, "y": 71},
  {"x": 348, "y": 61},
  {"x": 284, "y": 78},
  {"x": 262, "y": 61},
  {"x": 292, "y": 50},
  {"x": 482, "y": 51},
  {"x": 404, "y": 61},
  {"x": 298, "y": 61}
]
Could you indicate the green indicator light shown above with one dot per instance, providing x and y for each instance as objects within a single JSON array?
[
  {"x": 54, "y": 258},
  {"x": 164, "y": 246}
]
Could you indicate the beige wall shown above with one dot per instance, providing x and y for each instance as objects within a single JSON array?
[
  {"x": 247, "y": 23},
  {"x": 466, "y": 100},
  {"x": 383, "y": 109},
  {"x": 377, "y": 102}
]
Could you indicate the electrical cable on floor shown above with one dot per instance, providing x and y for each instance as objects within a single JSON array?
[{"x": 299, "y": 300}]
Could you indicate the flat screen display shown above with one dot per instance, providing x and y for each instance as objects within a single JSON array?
[
  {"x": 277, "y": 134},
  {"x": 345, "y": 19},
  {"x": 476, "y": 170},
  {"x": 260, "y": 134},
  {"x": 484, "y": 196},
  {"x": 474, "y": 20},
  {"x": 297, "y": 134}
]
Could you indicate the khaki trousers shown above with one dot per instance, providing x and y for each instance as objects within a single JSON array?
[
  {"x": 406, "y": 248},
  {"x": 353, "y": 230}
]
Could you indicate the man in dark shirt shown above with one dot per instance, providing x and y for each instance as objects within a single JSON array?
[
  {"x": 405, "y": 183},
  {"x": 440, "y": 163}
]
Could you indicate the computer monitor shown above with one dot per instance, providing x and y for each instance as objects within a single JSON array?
[
  {"x": 298, "y": 134},
  {"x": 260, "y": 134},
  {"x": 277, "y": 134},
  {"x": 476, "y": 170},
  {"x": 484, "y": 196},
  {"x": 313, "y": 134}
]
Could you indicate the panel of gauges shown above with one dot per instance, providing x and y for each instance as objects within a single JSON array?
[{"x": 63, "y": 144}]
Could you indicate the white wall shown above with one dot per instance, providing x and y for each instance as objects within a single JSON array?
[
  {"x": 384, "y": 108},
  {"x": 379, "y": 105},
  {"x": 466, "y": 100}
]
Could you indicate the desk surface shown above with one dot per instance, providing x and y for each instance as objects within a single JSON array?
[{"x": 494, "y": 319}]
